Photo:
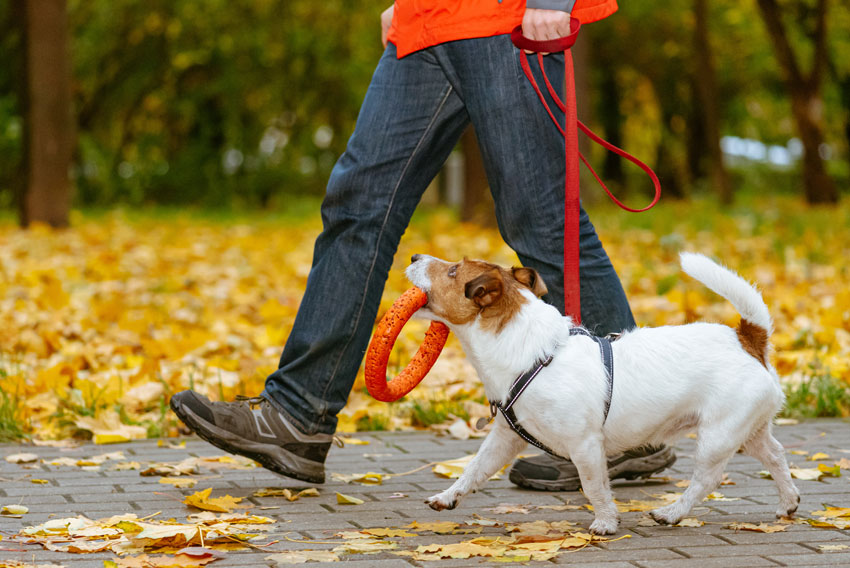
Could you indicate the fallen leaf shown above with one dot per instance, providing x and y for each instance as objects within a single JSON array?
[
  {"x": 202, "y": 500},
  {"x": 832, "y": 547},
  {"x": 689, "y": 522},
  {"x": 439, "y": 527},
  {"x": 818, "y": 456},
  {"x": 348, "y": 500},
  {"x": 785, "y": 421},
  {"x": 369, "y": 478},
  {"x": 301, "y": 556},
  {"x": 348, "y": 441},
  {"x": 39, "y": 481},
  {"x": 286, "y": 493},
  {"x": 179, "y": 482},
  {"x": 761, "y": 527},
  {"x": 14, "y": 510},
  {"x": 843, "y": 463},
  {"x": 799, "y": 452},
  {"x": 387, "y": 532},
  {"x": 21, "y": 458},
  {"x": 830, "y": 471},
  {"x": 507, "y": 508}
]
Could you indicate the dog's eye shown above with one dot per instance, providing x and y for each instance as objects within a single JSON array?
[{"x": 453, "y": 271}]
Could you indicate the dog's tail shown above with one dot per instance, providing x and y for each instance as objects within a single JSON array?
[{"x": 756, "y": 325}]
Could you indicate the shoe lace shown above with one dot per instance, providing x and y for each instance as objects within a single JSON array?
[{"x": 251, "y": 401}]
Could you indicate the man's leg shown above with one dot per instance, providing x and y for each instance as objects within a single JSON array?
[
  {"x": 410, "y": 120},
  {"x": 523, "y": 154}
]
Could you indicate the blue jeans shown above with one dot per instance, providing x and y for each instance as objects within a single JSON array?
[{"x": 415, "y": 110}]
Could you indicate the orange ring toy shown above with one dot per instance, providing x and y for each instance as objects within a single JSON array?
[{"x": 382, "y": 343}]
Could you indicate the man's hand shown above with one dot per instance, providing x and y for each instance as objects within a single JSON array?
[
  {"x": 387, "y": 20},
  {"x": 542, "y": 25}
]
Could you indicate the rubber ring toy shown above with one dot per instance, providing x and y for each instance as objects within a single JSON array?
[{"x": 385, "y": 336}]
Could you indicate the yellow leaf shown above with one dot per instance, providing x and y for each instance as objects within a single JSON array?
[
  {"x": 202, "y": 500},
  {"x": 806, "y": 474},
  {"x": 348, "y": 500},
  {"x": 761, "y": 527},
  {"x": 370, "y": 478},
  {"x": 818, "y": 456},
  {"x": 690, "y": 522},
  {"x": 439, "y": 527},
  {"x": 834, "y": 471},
  {"x": 388, "y": 532},
  {"x": 832, "y": 547},
  {"x": 179, "y": 482},
  {"x": 301, "y": 556},
  {"x": 14, "y": 510},
  {"x": 286, "y": 493},
  {"x": 39, "y": 481}
]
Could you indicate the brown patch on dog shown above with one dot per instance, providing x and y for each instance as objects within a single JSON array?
[
  {"x": 753, "y": 339},
  {"x": 462, "y": 291}
]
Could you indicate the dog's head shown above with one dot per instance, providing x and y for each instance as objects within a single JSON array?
[{"x": 458, "y": 292}]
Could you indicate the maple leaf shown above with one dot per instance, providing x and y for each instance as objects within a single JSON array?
[{"x": 202, "y": 500}]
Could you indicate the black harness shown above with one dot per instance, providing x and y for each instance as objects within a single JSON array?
[{"x": 522, "y": 382}]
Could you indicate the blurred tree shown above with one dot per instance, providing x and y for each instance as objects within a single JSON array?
[
  {"x": 804, "y": 89},
  {"x": 48, "y": 124},
  {"x": 706, "y": 102}
]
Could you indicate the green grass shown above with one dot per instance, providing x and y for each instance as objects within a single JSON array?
[
  {"x": 11, "y": 428},
  {"x": 373, "y": 423},
  {"x": 423, "y": 413},
  {"x": 819, "y": 396}
]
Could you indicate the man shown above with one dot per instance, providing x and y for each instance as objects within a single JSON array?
[{"x": 447, "y": 63}]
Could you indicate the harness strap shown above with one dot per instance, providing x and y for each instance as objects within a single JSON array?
[{"x": 521, "y": 383}]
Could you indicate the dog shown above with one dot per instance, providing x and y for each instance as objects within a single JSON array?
[{"x": 669, "y": 381}]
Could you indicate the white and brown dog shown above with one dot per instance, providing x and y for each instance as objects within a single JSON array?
[{"x": 670, "y": 380}]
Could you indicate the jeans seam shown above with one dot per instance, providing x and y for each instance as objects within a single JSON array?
[{"x": 378, "y": 240}]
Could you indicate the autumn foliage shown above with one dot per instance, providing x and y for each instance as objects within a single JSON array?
[{"x": 102, "y": 322}]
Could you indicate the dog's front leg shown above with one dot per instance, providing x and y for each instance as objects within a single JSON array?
[
  {"x": 589, "y": 458},
  {"x": 499, "y": 447}
]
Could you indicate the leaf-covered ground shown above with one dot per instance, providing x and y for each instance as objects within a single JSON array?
[{"x": 100, "y": 323}]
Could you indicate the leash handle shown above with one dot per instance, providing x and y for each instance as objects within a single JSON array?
[{"x": 550, "y": 45}]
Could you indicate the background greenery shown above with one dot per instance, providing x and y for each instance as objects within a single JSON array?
[{"x": 245, "y": 102}]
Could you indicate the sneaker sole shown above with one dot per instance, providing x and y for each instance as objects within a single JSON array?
[
  {"x": 270, "y": 456},
  {"x": 635, "y": 468}
]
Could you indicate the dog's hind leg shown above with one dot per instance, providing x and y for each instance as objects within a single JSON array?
[
  {"x": 767, "y": 449},
  {"x": 714, "y": 449},
  {"x": 499, "y": 447}
]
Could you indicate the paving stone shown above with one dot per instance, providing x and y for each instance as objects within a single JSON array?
[{"x": 98, "y": 494}]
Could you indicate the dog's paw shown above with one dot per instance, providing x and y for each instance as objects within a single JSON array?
[
  {"x": 442, "y": 501},
  {"x": 668, "y": 515},
  {"x": 604, "y": 526},
  {"x": 787, "y": 509}
]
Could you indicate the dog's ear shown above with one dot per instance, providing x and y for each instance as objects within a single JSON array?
[
  {"x": 485, "y": 289},
  {"x": 529, "y": 278}
]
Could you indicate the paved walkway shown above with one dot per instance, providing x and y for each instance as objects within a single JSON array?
[{"x": 70, "y": 491}]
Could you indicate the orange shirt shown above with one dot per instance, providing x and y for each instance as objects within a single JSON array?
[{"x": 418, "y": 24}]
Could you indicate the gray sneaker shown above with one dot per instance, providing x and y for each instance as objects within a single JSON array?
[
  {"x": 548, "y": 473},
  {"x": 256, "y": 430}
]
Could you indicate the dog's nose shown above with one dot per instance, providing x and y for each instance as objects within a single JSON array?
[{"x": 415, "y": 257}]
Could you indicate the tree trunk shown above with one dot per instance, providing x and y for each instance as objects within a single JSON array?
[
  {"x": 804, "y": 92},
  {"x": 478, "y": 206},
  {"x": 611, "y": 118},
  {"x": 48, "y": 122},
  {"x": 706, "y": 91}
]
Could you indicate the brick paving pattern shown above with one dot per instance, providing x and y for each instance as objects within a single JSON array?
[{"x": 71, "y": 491}]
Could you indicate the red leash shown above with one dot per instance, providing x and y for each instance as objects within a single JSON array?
[{"x": 572, "y": 204}]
